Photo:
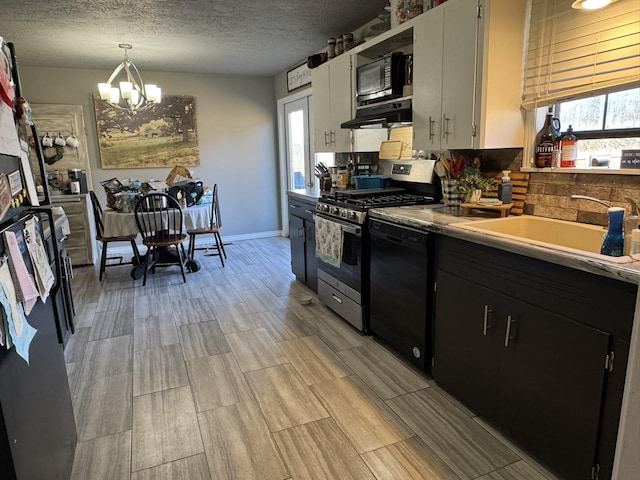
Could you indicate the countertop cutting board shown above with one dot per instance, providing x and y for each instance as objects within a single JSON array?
[{"x": 390, "y": 150}]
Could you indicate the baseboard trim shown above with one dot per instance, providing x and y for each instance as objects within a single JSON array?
[{"x": 126, "y": 249}]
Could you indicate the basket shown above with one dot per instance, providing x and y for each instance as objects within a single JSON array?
[{"x": 370, "y": 181}]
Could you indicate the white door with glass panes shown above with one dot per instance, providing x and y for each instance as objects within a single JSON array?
[{"x": 298, "y": 152}]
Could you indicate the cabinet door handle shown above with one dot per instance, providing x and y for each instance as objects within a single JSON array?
[
  {"x": 486, "y": 325},
  {"x": 445, "y": 127},
  {"x": 431, "y": 134},
  {"x": 333, "y": 137},
  {"x": 310, "y": 212},
  {"x": 301, "y": 232},
  {"x": 507, "y": 337},
  {"x": 326, "y": 139},
  {"x": 336, "y": 298}
]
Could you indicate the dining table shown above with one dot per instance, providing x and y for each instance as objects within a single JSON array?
[{"x": 120, "y": 224}]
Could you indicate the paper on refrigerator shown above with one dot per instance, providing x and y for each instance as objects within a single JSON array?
[
  {"x": 26, "y": 291},
  {"x": 20, "y": 332},
  {"x": 44, "y": 275}
]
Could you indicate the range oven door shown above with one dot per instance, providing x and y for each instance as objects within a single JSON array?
[
  {"x": 342, "y": 289},
  {"x": 350, "y": 271}
]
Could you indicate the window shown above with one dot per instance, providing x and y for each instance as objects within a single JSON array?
[
  {"x": 586, "y": 65},
  {"x": 604, "y": 126}
]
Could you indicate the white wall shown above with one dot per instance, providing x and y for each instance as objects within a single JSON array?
[{"x": 237, "y": 135}]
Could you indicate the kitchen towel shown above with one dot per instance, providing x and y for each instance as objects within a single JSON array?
[{"x": 328, "y": 241}]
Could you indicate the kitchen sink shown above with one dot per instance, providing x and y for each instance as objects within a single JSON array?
[{"x": 573, "y": 237}]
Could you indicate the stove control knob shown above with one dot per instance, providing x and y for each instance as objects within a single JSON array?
[{"x": 353, "y": 216}]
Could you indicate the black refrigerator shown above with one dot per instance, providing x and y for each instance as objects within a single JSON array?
[{"x": 37, "y": 425}]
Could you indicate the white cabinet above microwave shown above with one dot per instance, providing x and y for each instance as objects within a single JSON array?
[{"x": 332, "y": 104}]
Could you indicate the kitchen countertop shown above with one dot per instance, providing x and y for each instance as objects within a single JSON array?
[
  {"x": 443, "y": 220},
  {"x": 311, "y": 194}
]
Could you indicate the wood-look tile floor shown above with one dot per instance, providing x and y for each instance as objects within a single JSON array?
[{"x": 229, "y": 377}]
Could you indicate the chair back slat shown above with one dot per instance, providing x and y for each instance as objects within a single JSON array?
[
  {"x": 97, "y": 213},
  {"x": 158, "y": 215}
]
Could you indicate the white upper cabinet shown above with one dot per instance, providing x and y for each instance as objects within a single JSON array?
[
  {"x": 332, "y": 104},
  {"x": 467, "y": 75},
  {"x": 427, "y": 80}
]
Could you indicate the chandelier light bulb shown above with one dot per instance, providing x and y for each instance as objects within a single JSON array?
[{"x": 130, "y": 88}]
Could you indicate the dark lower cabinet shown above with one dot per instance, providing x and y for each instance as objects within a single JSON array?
[
  {"x": 297, "y": 238},
  {"x": 37, "y": 425},
  {"x": 537, "y": 375},
  {"x": 526, "y": 345},
  {"x": 304, "y": 264}
]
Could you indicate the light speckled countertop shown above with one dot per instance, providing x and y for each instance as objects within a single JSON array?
[
  {"x": 443, "y": 220},
  {"x": 311, "y": 194}
]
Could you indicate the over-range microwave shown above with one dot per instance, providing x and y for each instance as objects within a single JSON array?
[{"x": 381, "y": 79}]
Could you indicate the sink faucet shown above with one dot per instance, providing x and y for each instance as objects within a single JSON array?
[{"x": 584, "y": 197}]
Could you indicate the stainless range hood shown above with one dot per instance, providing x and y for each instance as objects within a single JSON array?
[{"x": 381, "y": 115}]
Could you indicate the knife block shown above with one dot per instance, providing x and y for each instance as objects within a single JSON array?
[{"x": 325, "y": 184}]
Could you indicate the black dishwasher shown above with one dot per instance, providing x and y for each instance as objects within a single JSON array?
[{"x": 401, "y": 289}]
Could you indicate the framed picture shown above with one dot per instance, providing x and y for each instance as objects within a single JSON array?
[
  {"x": 164, "y": 135},
  {"x": 297, "y": 77}
]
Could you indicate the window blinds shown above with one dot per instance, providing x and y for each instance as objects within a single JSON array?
[{"x": 577, "y": 53}]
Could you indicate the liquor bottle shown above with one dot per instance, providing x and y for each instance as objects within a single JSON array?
[
  {"x": 569, "y": 149},
  {"x": 546, "y": 142}
]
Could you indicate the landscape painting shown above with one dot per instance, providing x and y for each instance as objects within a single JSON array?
[{"x": 164, "y": 135}]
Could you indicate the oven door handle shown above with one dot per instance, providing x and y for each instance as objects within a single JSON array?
[{"x": 346, "y": 227}]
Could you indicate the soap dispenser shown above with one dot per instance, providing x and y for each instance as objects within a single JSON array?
[
  {"x": 505, "y": 189},
  {"x": 613, "y": 243}
]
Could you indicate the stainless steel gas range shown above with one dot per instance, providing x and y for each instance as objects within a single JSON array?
[{"x": 342, "y": 238}]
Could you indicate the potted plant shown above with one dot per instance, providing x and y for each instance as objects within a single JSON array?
[{"x": 472, "y": 185}]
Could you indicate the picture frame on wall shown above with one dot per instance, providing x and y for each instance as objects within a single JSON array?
[
  {"x": 164, "y": 135},
  {"x": 298, "y": 77}
]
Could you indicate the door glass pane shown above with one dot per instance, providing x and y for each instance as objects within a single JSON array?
[{"x": 296, "y": 148}]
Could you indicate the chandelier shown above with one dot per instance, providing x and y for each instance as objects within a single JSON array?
[{"x": 131, "y": 95}]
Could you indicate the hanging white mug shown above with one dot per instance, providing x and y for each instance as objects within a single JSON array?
[
  {"x": 72, "y": 141},
  {"x": 47, "y": 141},
  {"x": 60, "y": 141}
]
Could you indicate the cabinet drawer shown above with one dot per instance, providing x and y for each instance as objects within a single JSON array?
[
  {"x": 79, "y": 255},
  {"x": 72, "y": 207},
  {"x": 302, "y": 209},
  {"x": 77, "y": 223}
]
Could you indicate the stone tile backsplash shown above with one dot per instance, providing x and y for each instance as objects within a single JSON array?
[{"x": 548, "y": 195}]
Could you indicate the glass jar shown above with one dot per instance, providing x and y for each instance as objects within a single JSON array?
[
  {"x": 331, "y": 47},
  {"x": 339, "y": 46},
  {"x": 347, "y": 41}
]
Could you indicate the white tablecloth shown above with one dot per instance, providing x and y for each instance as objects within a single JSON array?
[{"x": 122, "y": 224}]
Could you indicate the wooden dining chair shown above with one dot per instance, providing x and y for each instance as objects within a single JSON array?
[
  {"x": 159, "y": 219},
  {"x": 214, "y": 228},
  {"x": 105, "y": 241}
]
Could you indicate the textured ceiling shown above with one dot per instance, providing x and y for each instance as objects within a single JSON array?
[{"x": 248, "y": 37}]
